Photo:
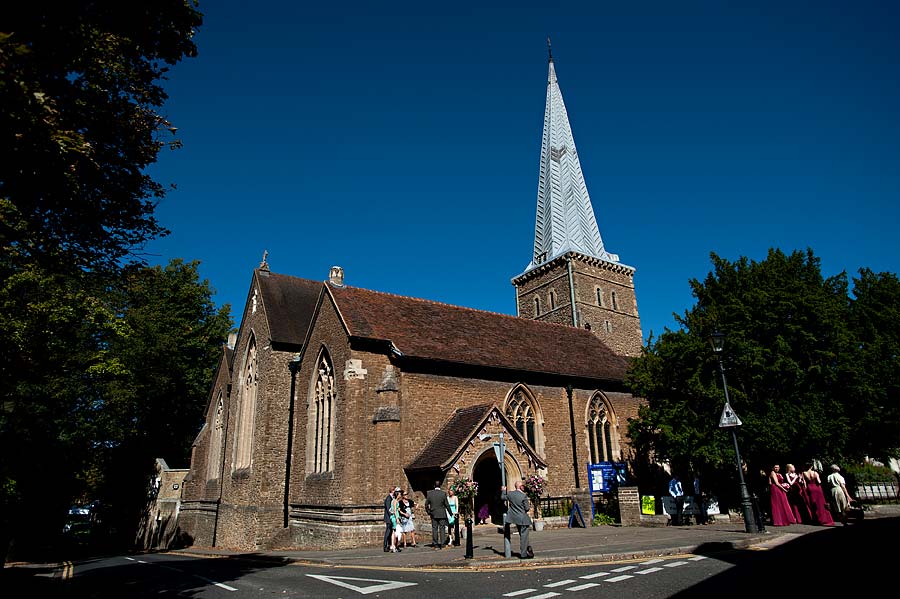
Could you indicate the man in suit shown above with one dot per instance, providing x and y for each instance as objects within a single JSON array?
[
  {"x": 437, "y": 506},
  {"x": 518, "y": 514},
  {"x": 388, "y": 525}
]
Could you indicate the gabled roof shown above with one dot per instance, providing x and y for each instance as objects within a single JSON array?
[
  {"x": 290, "y": 303},
  {"x": 433, "y": 331},
  {"x": 442, "y": 452}
]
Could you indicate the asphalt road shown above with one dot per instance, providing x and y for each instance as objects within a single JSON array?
[{"x": 856, "y": 558}]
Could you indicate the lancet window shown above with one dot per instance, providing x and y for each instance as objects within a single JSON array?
[
  {"x": 320, "y": 429},
  {"x": 600, "y": 431}
]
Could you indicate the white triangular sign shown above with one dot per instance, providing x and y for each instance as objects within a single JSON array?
[
  {"x": 383, "y": 585},
  {"x": 729, "y": 418}
]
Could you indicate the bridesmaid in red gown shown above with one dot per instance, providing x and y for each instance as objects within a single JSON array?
[
  {"x": 818, "y": 507},
  {"x": 797, "y": 495},
  {"x": 781, "y": 509}
]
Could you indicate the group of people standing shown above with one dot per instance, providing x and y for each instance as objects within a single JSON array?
[
  {"x": 399, "y": 518},
  {"x": 443, "y": 509},
  {"x": 399, "y": 521},
  {"x": 800, "y": 498}
]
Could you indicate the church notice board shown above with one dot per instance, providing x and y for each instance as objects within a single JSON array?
[{"x": 604, "y": 477}]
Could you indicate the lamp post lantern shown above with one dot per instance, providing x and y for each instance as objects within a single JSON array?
[
  {"x": 500, "y": 452},
  {"x": 730, "y": 420}
]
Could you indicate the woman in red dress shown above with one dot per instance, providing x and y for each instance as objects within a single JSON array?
[
  {"x": 797, "y": 495},
  {"x": 781, "y": 509},
  {"x": 818, "y": 507}
]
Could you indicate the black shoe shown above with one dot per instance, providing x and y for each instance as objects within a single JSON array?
[{"x": 387, "y": 550}]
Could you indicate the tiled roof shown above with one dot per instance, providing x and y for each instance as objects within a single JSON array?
[
  {"x": 434, "y": 331},
  {"x": 447, "y": 442},
  {"x": 289, "y": 303}
]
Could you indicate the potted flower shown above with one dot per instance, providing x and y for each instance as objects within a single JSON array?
[
  {"x": 535, "y": 485},
  {"x": 466, "y": 489}
]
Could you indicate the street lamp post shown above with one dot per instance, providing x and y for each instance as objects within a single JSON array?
[
  {"x": 730, "y": 420},
  {"x": 500, "y": 452}
]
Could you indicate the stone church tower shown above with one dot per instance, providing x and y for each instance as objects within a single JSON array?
[{"x": 571, "y": 278}]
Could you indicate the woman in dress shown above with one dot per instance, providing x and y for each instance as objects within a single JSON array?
[
  {"x": 818, "y": 509},
  {"x": 797, "y": 495},
  {"x": 407, "y": 522},
  {"x": 395, "y": 520},
  {"x": 453, "y": 528},
  {"x": 781, "y": 509},
  {"x": 839, "y": 495}
]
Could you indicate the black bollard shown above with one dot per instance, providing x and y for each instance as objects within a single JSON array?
[{"x": 470, "y": 551}]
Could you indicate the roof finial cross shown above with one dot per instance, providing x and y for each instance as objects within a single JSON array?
[{"x": 264, "y": 265}]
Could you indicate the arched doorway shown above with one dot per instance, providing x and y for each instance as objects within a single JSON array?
[{"x": 487, "y": 474}]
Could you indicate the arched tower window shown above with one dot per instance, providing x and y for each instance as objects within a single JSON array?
[
  {"x": 600, "y": 430},
  {"x": 214, "y": 458},
  {"x": 552, "y": 300},
  {"x": 537, "y": 307},
  {"x": 320, "y": 417},
  {"x": 599, "y": 297},
  {"x": 615, "y": 303},
  {"x": 247, "y": 415},
  {"x": 524, "y": 413}
]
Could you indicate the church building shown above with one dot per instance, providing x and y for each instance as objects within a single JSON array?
[{"x": 330, "y": 394}]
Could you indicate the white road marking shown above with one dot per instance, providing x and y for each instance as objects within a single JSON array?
[
  {"x": 385, "y": 585},
  {"x": 596, "y": 575},
  {"x": 619, "y": 578},
  {"x": 558, "y": 584},
  {"x": 648, "y": 571},
  {"x": 522, "y": 592},
  {"x": 545, "y": 596},
  {"x": 675, "y": 564},
  {"x": 213, "y": 582},
  {"x": 697, "y": 558},
  {"x": 652, "y": 561},
  {"x": 131, "y": 559},
  {"x": 586, "y": 585},
  {"x": 624, "y": 568}
]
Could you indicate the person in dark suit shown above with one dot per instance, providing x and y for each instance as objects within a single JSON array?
[
  {"x": 437, "y": 507},
  {"x": 388, "y": 525},
  {"x": 518, "y": 514}
]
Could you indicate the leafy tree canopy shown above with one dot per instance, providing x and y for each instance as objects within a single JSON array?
[
  {"x": 806, "y": 367},
  {"x": 80, "y": 93}
]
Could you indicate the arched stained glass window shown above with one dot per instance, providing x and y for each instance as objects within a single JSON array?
[
  {"x": 600, "y": 431},
  {"x": 520, "y": 410},
  {"x": 247, "y": 414},
  {"x": 320, "y": 418}
]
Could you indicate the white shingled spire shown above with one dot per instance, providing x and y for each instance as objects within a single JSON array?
[{"x": 565, "y": 218}]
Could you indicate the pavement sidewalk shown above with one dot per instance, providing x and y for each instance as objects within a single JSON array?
[{"x": 593, "y": 544}]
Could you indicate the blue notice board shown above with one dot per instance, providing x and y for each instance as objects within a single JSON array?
[{"x": 604, "y": 477}]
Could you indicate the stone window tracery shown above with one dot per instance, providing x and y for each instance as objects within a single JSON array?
[
  {"x": 320, "y": 430},
  {"x": 523, "y": 411},
  {"x": 604, "y": 448},
  {"x": 247, "y": 415},
  {"x": 214, "y": 460}
]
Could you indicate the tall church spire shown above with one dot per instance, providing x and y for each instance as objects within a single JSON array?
[
  {"x": 571, "y": 278},
  {"x": 565, "y": 219}
]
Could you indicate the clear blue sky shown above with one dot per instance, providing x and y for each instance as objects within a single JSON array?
[{"x": 401, "y": 140}]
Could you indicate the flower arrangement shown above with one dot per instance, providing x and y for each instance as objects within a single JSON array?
[
  {"x": 466, "y": 489},
  {"x": 535, "y": 485}
]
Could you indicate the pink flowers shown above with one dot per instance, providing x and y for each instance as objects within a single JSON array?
[{"x": 535, "y": 485}]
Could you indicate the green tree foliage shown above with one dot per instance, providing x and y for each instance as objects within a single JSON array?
[
  {"x": 153, "y": 406},
  {"x": 80, "y": 99},
  {"x": 796, "y": 375}
]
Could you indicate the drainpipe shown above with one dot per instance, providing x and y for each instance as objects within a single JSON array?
[
  {"x": 572, "y": 292},
  {"x": 293, "y": 365},
  {"x": 574, "y": 441}
]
